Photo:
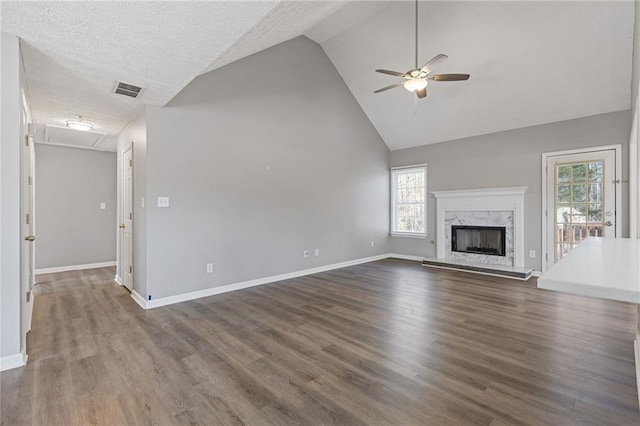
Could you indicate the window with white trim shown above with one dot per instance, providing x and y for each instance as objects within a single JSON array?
[{"x": 408, "y": 201}]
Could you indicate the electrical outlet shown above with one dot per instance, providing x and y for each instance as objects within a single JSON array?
[
  {"x": 305, "y": 253},
  {"x": 532, "y": 254},
  {"x": 209, "y": 268},
  {"x": 317, "y": 252},
  {"x": 163, "y": 201},
  {"x": 373, "y": 244},
  {"x": 103, "y": 206}
]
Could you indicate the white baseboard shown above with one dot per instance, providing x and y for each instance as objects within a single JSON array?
[
  {"x": 139, "y": 299},
  {"x": 74, "y": 267},
  {"x": 118, "y": 279},
  {"x": 170, "y": 300},
  {"x": 12, "y": 361},
  {"x": 406, "y": 257}
]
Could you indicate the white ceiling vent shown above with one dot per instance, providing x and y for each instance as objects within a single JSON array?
[{"x": 126, "y": 89}]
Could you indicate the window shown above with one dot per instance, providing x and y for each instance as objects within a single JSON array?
[{"x": 408, "y": 201}]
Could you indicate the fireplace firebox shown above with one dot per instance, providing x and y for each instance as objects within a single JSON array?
[{"x": 488, "y": 240}]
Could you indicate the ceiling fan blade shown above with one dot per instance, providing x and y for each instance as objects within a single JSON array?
[
  {"x": 389, "y": 87},
  {"x": 422, "y": 93},
  {"x": 448, "y": 77},
  {"x": 396, "y": 73},
  {"x": 438, "y": 58}
]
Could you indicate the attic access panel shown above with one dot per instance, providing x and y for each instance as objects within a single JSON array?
[{"x": 56, "y": 135}]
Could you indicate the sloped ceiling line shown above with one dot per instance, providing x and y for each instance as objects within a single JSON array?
[{"x": 530, "y": 62}]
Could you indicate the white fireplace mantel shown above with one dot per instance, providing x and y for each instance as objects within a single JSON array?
[{"x": 485, "y": 199}]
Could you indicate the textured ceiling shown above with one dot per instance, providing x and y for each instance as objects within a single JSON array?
[
  {"x": 75, "y": 51},
  {"x": 317, "y": 20},
  {"x": 285, "y": 21},
  {"x": 530, "y": 63}
]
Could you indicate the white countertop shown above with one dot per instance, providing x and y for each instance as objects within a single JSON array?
[{"x": 607, "y": 268}]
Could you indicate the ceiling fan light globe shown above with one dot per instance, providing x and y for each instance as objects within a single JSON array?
[{"x": 415, "y": 84}]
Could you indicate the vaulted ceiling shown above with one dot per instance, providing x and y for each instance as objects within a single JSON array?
[{"x": 530, "y": 62}]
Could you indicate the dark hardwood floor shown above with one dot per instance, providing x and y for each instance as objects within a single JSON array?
[{"x": 388, "y": 342}]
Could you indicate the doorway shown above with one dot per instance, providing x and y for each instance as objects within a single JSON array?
[
  {"x": 580, "y": 199},
  {"x": 28, "y": 222},
  {"x": 126, "y": 227}
]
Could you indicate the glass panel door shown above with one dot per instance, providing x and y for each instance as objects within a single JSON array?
[
  {"x": 579, "y": 208},
  {"x": 580, "y": 200}
]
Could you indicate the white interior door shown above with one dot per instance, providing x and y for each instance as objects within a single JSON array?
[
  {"x": 28, "y": 226},
  {"x": 581, "y": 200},
  {"x": 127, "y": 219}
]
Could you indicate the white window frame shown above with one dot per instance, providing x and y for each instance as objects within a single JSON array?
[{"x": 394, "y": 189}]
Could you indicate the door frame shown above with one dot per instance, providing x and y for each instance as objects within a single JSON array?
[
  {"x": 27, "y": 226},
  {"x": 122, "y": 215},
  {"x": 618, "y": 193},
  {"x": 634, "y": 182}
]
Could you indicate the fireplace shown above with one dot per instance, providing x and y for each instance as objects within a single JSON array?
[
  {"x": 489, "y": 207},
  {"x": 486, "y": 240}
]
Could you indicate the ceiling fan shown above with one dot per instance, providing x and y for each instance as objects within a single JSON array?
[{"x": 417, "y": 79}]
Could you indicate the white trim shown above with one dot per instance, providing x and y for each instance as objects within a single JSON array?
[
  {"x": 406, "y": 257},
  {"x": 139, "y": 299},
  {"x": 618, "y": 175},
  {"x": 64, "y": 145},
  {"x": 74, "y": 267},
  {"x": 482, "y": 192},
  {"x": 536, "y": 274},
  {"x": 13, "y": 361},
  {"x": 634, "y": 180},
  {"x": 184, "y": 297},
  {"x": 408, "y": 235},
  {"x": 393, "y": 176},
  {"x": 413, "y": 166},
  {"x": 120, "y": 266},
  {"x": 490, "y": 199},
  {"x": 471, "y": 271},
  {"x": 118, "y": 279},
  {"x": 636, "y": 350},
  {"x": 582, "y": 150},
  {"x": 170, "y": 300},
  {"x": 633, "y": 191}
]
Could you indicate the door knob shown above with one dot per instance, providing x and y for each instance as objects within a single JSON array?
[
  {"x": 122, "y": 226},
  {"x": 608, "y": 223},
  {"x": 30, "y": 238}
]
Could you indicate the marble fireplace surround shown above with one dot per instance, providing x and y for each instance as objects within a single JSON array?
[{"x": 510, "y": 199}]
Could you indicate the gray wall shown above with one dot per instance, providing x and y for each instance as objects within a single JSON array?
[
  {"x": 135, "y": 134},
  {"x": 262, "y": 159},
  {"x": 70, "y": 185},
  {"x": 11, "y": 299},
  {"x": 511, "y": 158}
]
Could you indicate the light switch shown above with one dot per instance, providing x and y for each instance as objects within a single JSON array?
[
  {"x": 142, "y": 202},
  {"x": 163, "y": 201},
  {"x": 103, "y": 206}
]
